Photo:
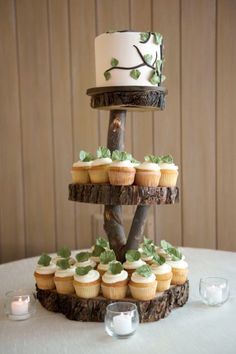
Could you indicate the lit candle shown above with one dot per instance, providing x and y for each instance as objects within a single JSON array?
[
  {"x": 214, "y": 294},
  {"x": 20, "y": 308},
  {"x": 122, "y": 324}
]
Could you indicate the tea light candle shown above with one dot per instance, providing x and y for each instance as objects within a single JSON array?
[
  {"x": 122, "y": 324},
  {"x": 20, "y": 309},
  {"x": 214, "y": 294}
]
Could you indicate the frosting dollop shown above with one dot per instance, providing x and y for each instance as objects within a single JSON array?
[
  {"x": 168, "y": 166},
  {"x": 110, "y": 278},
  {"x": 136, "y": 278},
  {"x": 133, "y": 265},
  {"x": 50, "y": 269},
  {"x": 102, "y": 266},
  {"x": 181, "y": 264},
  {"x": 82, "y": 164},
  {"x": 91, "y": 276},
  {"x": 161, "y": 269},
  {"x": 102, "y": 161},
  {"x": 125, "y": 163},
  {"x": 89, "y": 262},
  {"x": 61, "y": 273},
  {"x": 148, "y": 166}
]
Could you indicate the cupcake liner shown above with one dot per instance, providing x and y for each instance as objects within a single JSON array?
[
  {"x": 179, "y": 276},
  {"x": 80, "y": 176},
  {"x": 87, "y": 291},
  {"x": 64, "y": 285},
  {"x": 114, "y": 293},
  {"x": 168, "y": 178},
  {"x": 143, "y": 292},
  {"x": 99, "y": 174},
  {"x": 121, "y": 177},
  {"x": 44, "y": 281},
  {"x": 163, "y": 281},
  {"x": 147, "y": 178}
]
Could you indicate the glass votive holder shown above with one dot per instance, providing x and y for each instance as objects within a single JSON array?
[
  {"x": 214, "y": 291},
  {"x": 19, "y": 304},
  {"x": 121, "y": 319}
]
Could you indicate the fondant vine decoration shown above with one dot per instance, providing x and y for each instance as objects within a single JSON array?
[{"x": 147, "y": 60}]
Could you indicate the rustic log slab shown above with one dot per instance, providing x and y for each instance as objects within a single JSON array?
[
  {"x": 122, "y": 195},
  {"x": 93, "y": 310},
  {"x": 130, "y": 98}
]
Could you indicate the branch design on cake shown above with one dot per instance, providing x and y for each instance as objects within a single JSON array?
[{"x": 155, "y": 65}]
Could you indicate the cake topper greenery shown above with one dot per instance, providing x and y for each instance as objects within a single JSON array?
[
  {"x": 115, "y": 267},
  {"x": 118, "y": 155},
  {"x": 158, "y": 259},
  {"x": 144, "y": 271},
  {"x": 103, "y": 152},
  {"x": 85, "y": 156},
  {"x": 83, "y": 270},
  {"x": 132, "y": 255},
  {"x": 100, "y": 241},
  {"x": 107, "y": 256},
  {"x": 44, "y": 260},
  {"x": 152, "y": 158},
  {"x": 82, "y": 256},
  {"x": 64, "y": 252},
  {"x": 63, "y": 263},
  {"x": 97, "y": 250},
  {"x": 173, "y": 252}
]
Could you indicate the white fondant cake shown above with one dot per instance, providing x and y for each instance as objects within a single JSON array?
[{"x": 129, "y": 58}]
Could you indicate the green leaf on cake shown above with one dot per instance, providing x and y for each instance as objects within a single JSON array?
[
  {"x": 132, "y": 255},
  {"x": 82, "y": 256},
  {"x": 64, "y": 252},
  {"x": 158, "y": 66},
  {"x": 100, "y": 241},
  {"x": 148, "y": 58},
  {"x": 135, "y": 73},
  {"x": 44, "y": 260},
  {"x": 63, "y": 263},
  {"x": 115, "y": 267},
  {"x": 152, "y": 158},
  {"x": 107, "y": 75},
  {"x": 157, "y": 38},
  {"x": 121, "y": 156},
  {"x": 83, "y": 270},
  {"x": 144, "y": 36},
  {"x": 165, "y": 245},
  {"x": 103, "y": 152},
  {"x": 175, "y": 254},
  {"x": 144, "y": 271},
  {"x": 154, "y": 79},
  {"x": 158, "y": 259},
  {"x": 85, "y": 156},
  {"x": 97, "y": 250},
  {"x": 147, "y": 241},
  {"x": 107, "y": 257},
  {"x": 134, "y": 161},
  {"x": 114, "y": 62},
  {"x": 148, "y": 250},
  {"x": 167, "y": 159}
]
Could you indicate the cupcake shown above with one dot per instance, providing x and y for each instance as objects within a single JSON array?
[
  {"x": 100, "y": 246},
  {"x": 84, "y": 259},
  {"x": 64, "y": 277},
  {"x": 114, "y": 281},
  {"x": 169, "y": 172},
  {"x": 44, "y": 272},
  {"x": 86, "y": 282},
  {"x": 147, "y": 250},
  {"x": 166, "y": 249},
  {"x": 79, "y": 171},
  {"x": 121, "y": 172},
  {"x": 143, "y": 283},
  {"x": 148, "y": 173},
  {"x": 64, "y": 253},
  {"x": 163, "y": 273},
  {"x": 98, "y": 172},
  {"x": 133, "y": 261},
  {"x": 105, "y": 258},
  {"x": 179, "y": 270}
]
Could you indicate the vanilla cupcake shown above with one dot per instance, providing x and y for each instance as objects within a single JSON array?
[
  {"x": 105, "y": 258},
  {"x": 148, "y": 173},
  {"x": 86, "y": 282},
  {"x": 133, "y": 261},
  {"x": 64, "y": 253},
  {"x": 163, "y": 273},
  {"x": 179, "y": 270},
  {"x": 114, "y": 282},
  {"x": 100, "y": 246},
  {"x": 79, "y": 171},
  {"x": 143, "y": 284},
  {"x": 44, "y": 272},
  {"x": 84, "y": 259},
  {"x": 98, "y": 172},
  {"x": 64, "y": 277},
  {"x": 147, "y": 250},
  {"x": 121, "y": 172},
  {"x": 169, "y": 172}
]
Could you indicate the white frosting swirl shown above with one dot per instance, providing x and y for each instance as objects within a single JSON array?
[
  {"x": 125, "y": 163},
  {"x": 82, "y": 163},
  {"x": 62, "y": 273},
  {"x": 58, "y": 258},
  {"x": 136, "y": 278},
  {"x": 89, "y": 262},
  {"x": 148, "y": 166},
  {"x": 110, "y": 278},
  {"x": 133, "y": 265},
  {"x": 161, "y": 269},
  {"x": 146, "y": 258},
  {"x": 91, "y": 276},
  {"x": 181, "y": 264},
  {"x": 102, "y": 161},
  {"x": 168, "y": 166},
  {"x": 103, "y": 267},
  {"x": 50, "y": 269}
]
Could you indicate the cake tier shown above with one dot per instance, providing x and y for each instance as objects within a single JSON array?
[
  {"x": 130, "y": 98},
  {"x": 93, "y": 310},
  {"x": 122, "y": 195}
]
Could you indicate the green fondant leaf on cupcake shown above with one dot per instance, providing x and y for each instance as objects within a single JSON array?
[
  {"x": 157, "y": 38},
  {"x": 148, "y": 58},
  {"x": 63, "y": 263},
  {"x": 165, "y": 245},
  {"x": 82, "y": 256},
  {"x": 148, "y": 250},
  {"x": 83, "y": 270},
  {"x": 147, "y": 241},
  {"x": 115, "y": 267},
  {"x": 107, "y": 257},
  {"x": 144, "y": 36},
  {"x": 97, "y": 250},
  {"x": 107, "y": 75},
  {"x": 158, "y": 259},
  {"x": 132, "y": 255},
  {"x": 135, "y": 73},
  {"x": 152, "y": 158},
  {"x": 155, "y": 78},
  {"x": 102, "y": 242},
  {"x": 121, "y": 156},
  {"x": 114, "y": 62},
  {"x": 64, "y": 252},
  {"x": 85, "y": 156},
  {"x": 44, "y": 260},
  {"x": 103, "y": 152},
  {"x": 175, "y": 254},
  {"x": 144, "y": 271},
  {"x": 167, "y": 159}
]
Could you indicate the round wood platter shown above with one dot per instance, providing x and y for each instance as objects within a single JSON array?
[
  {"x": 93, "y": 310},
  {"x": 122, "y": 195},
  {"x": 130, "y": 98}
]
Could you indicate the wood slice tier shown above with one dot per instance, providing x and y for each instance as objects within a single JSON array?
[
  {"x": 130, "y": 98},
  {"x": 122, "y": 195},
  {"x": 93, "y": 310}
]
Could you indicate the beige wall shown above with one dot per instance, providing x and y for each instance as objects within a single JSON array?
[{"x": 46, "y": 65}]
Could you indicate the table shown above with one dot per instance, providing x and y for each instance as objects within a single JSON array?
[{"x": 195, "y": 328}]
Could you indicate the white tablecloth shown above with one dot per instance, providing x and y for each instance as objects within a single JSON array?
[{"x": 194, "y": 328}]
